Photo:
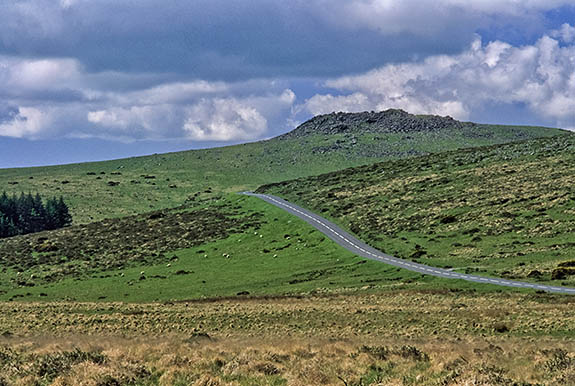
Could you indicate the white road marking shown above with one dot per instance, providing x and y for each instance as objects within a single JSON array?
[{"x": 414, "y": 267}]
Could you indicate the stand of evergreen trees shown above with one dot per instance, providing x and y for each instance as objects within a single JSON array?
[{"x": 26, "y": 213}]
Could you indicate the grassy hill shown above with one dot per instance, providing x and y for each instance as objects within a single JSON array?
[
  {"x": 219, "y": 245},
  {"x": 187, "y": 283},
  {"x": 506, "y": 210},
  {"x": 168, "y": 227},
  {"x": 326, "y": 143}
]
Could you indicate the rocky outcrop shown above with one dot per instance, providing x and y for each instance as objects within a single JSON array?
[{"x": 388, "y": 121}]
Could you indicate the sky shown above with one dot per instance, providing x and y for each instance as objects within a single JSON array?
[{"x": 84, "y": 80}]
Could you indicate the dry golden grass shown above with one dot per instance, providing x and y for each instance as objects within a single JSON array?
[
  {"x": 388, "y": 338},
  {"x": 301, "y": 361},
  {"x": 400, "y": 314}
]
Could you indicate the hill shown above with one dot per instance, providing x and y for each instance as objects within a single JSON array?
[
  {"x": 220, "y": 245},
  {"x": 326, "y": 143},
  {"x": 506, "y": 210},
  {"x": 235, "y": 288},
  {"x": 389, "y": 121}
]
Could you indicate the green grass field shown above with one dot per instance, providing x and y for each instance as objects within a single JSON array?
[
  {"x": 278, "y": 255},
  {"x": 506, "y": 211}
]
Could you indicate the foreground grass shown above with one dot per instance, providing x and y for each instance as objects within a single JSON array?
[
  {"x": 506, "y": 211},
  {"x": 173, "y": 361},
  {"x": 117, "y": 188},
  {"x": 406, "y": 338}
]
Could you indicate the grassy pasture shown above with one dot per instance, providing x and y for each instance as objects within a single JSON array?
[{"x": 218, "y": 246}]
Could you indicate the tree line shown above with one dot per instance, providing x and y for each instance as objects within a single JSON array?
[{"x": 29, "y": 213}]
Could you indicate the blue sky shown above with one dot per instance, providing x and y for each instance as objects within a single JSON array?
[{"x": 100, "y": 79}]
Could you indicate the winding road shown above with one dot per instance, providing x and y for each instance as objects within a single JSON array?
[{"x": 360, "y": 248}]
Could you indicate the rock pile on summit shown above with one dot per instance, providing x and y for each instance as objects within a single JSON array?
[{"x": 388, "y": 121}]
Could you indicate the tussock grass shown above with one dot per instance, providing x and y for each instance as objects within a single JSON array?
[
  {"x": 399, "y": 338},
  {"x": 288, "y": 361},
  {"x": 506, "y": 211},
  {"x": 394, "y": 314}
]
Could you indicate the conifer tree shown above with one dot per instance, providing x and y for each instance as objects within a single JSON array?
[
  {"x": 51, "y": 213},
  {"x": 27, "y": 213},
  {"x": 7, "y": 227}
]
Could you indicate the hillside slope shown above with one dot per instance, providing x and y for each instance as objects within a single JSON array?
[
  {"x": 218, "y": 245},
  {"x": 506, "y": 210},
  {"x": 323, "y": 144}
]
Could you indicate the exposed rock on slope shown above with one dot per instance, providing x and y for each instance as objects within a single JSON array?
[{"x": 388, "y": 121}]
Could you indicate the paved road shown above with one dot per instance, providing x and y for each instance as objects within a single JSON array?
[{"x": 358, "y": 247}]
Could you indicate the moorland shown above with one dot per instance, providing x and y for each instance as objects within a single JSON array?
[{"x": 168, "y": 276}]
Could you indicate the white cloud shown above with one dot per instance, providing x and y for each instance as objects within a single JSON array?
[
  {"x": 67, "y": 3},
  {"x": 224, "y": 120},
  {"x": 59, "y": 97},
  {"x": 213, "y": 118},
  {"x": 19, "y": 74},
  {"x": 28, "y": 123},
  {"x": 565, "y": 33},
  {"x": 324, "y": 104},
  {"x": 109, "y": 118},
  {"x": 430, "y": 17},
  {"x": 541, "y": 76},
  {"x": 44, "y": 73},
  {"x": 175, "y": 92},
  {"x": 56, "y": 97}
]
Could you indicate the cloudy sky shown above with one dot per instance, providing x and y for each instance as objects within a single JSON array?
[{"x": 99, "y": 79}]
